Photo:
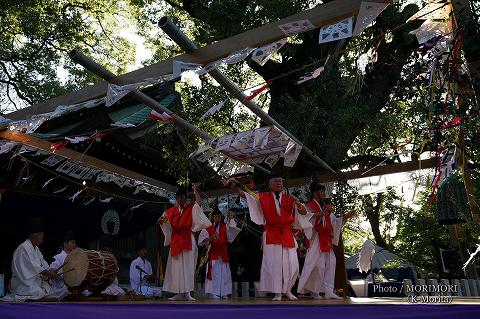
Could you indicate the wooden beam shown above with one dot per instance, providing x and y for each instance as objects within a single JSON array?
[
  {"x": 85, "y": 159},
  {"x": 325, "y": 178},
  {"x": 321, "y": 15}
]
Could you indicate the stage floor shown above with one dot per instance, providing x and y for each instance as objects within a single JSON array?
[{"x": 353, "y": 308}]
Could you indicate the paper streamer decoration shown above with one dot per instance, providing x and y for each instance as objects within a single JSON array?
[
  {"x": 291, "y": 154},
  {"x": 263, "y": 54},
  {"x": 428, "y": 30},
  {"x": 179, "y": 67},
  {"x": 337, "y": 31},
  {"x": 214, "y": 109},
  {"x": 272, "y": 160},
  {"x": 296, "y": 27},
  {"x": 312, "y": 75},
  {"x": 106, "y": 200},
  {"x": 115, "y": 93},
  {"x": 164, "y": 117},
  {"x": 369, "y": 11},
  {"x": 261, "y": 137},
  {"x": 74, "y": 196},
  {"x": 6, "y": 147},
  {"x": 4, "y": 122},
  {"x": 433, "y": 11},
  {"x": 231, "y": 59}
]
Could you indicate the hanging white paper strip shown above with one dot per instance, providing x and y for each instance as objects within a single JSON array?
[
  {"x": 214, "y": 109},
  {"x": 263, "y": 54},
  {"x": 291, "y": 154},
  {"x": 179, "y": 67}
]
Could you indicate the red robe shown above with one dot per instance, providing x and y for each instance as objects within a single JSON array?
[
  {"x": 181, "y": 229},
  {"x": 278, "y": 228},
  {"x": 325, "y": 232},
  {"x": 218, "y": 247}
]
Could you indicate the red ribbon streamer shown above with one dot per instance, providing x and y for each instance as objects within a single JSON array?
[
  {"x": 58, "y": 145},
  {"x": 257, "y": 92}
]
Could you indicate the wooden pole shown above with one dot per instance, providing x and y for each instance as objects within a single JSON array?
[{"x": 320, "y": 15}]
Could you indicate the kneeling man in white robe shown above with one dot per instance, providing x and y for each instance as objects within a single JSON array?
[
  {"x": 30, "y": 272},
  {"x": 141, "y": 272},
  {"x": 218, "y": 281}
]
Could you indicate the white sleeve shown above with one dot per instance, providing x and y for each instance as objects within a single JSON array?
[
  {"x": 337, "y": 223},
  {"x": 57, "y": 262},
  {"x": 303, "y": 222},
  {"x": 134, "y": 276},
  {"x": 24, "y": 266},
  {"x": 199, "y": 219},
  {"x": 149, "y": 270},
  {"x": 202, "y": 238},
  {"x": 167, "y": 232},
  {"x": 255, "y": 209}
]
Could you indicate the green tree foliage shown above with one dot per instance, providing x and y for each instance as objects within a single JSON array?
[{"x": 36, "y": 36}]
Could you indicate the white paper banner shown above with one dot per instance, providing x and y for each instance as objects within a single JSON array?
[
  {"x": 337, "y": 31},
  {"x": 296, "y": 27},
  {"x": 261, "y": 137},
  {"x": 6, "y": 147}
]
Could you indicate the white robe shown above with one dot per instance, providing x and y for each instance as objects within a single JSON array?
[
  {"x": 138, "y": 282},
  {"x": 318, "y": 273},
  {"x": 221, "y": 283},
  {"x": 27, "y": 282},
  {"x": 180, "y": 271},
  {"x": 280, "y": 266},
  {"x": 58, "y": 285},
  {"x": 113, "y": 290}
]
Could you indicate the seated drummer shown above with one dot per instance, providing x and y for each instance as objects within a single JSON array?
[
  {"x": 30, "y": 272},
  {"x": 58, "y": 285},
  {"x": 141, "y": 273}
]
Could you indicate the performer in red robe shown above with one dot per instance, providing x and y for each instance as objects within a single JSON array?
[
  {"x": 278, "y": 212},
  {"x": 178, "y": 224},
  {"x": 318, "y": 273},
  {"x": 218, "y": 281}
]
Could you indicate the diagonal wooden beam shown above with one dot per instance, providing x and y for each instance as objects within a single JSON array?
[
  {"x": 321, "y": 15},
  {"x": 85, "y": 159}
]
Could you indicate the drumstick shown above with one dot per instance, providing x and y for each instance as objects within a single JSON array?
[
  {"x": 61, "y": 266},
  {"x": 72, "y": 269}
]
